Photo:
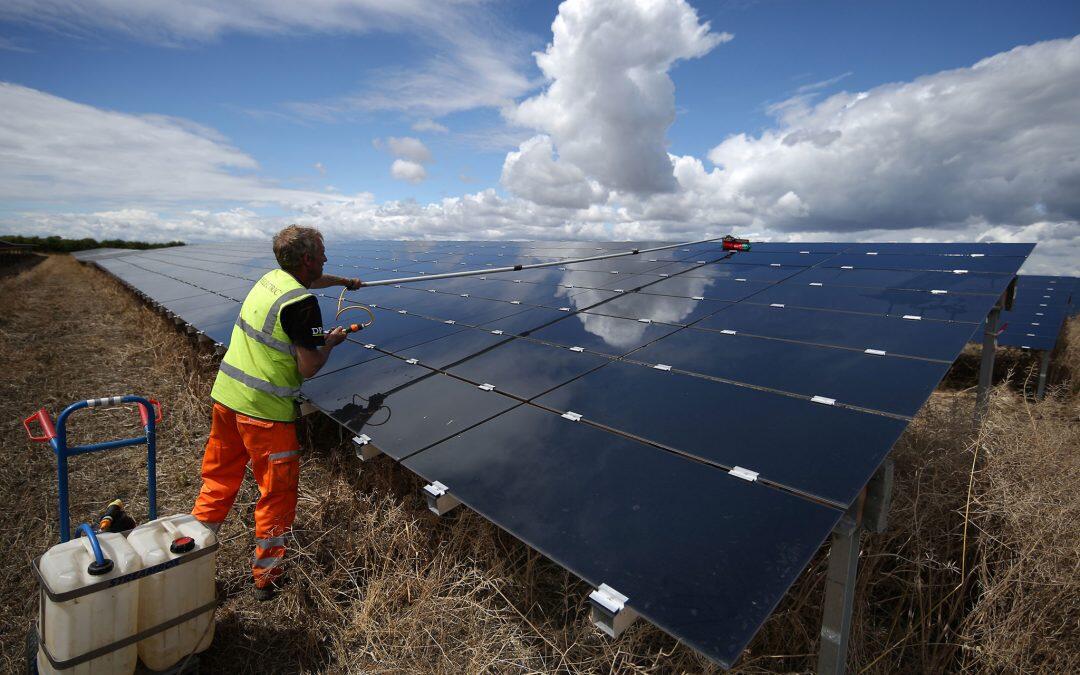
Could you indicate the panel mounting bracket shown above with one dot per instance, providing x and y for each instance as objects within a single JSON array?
[
  {"x": 439, "y": 499},
  {"x": 307, "y": 408},
  {"x": 364, "y": 448},
  {"x": 609, "y": 611}
]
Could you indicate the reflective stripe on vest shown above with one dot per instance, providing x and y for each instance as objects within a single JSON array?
[
  {"x": 255, "y": 383},
  {"x": 268, "y": 340},
  {"x": 259, "y": 375}
]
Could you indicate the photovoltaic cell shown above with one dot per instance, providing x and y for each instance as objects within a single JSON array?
[
  {"x": 602, "y": 506},
  {"x": 800, "y": 363}
]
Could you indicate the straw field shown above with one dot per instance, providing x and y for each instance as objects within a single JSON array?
[{"x": 979, "y": 570}]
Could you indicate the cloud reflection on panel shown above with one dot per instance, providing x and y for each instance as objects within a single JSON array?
[{"x": 619, "y": 332}]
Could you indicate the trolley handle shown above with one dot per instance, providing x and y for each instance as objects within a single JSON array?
[
  {"x": 157, "y": 412},
  {"x": 114, "y": 401},
  {"x": 45, "y": 422}
]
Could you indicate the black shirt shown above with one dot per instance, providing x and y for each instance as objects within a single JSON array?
[{"x": 302, "y": 322}]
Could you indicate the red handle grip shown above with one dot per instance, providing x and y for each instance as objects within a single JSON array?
[
  {"x": 157, "y": 409},
  {"x": 42, "y": 417}
]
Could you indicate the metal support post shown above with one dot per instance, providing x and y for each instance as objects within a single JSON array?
[
  {"x": 986, "y": 369},
  {"x": 839, "y": 597},
  {"x": 1044, "y": 367}
]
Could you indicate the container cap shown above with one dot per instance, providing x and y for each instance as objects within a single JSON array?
[
  {"x": 182, "y": 545},
  {"x": 97, "y": 569}
]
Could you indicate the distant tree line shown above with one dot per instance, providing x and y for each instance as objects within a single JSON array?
[{"x": 55, "y": 244}]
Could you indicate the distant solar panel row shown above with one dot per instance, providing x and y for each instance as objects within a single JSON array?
[
  {"x": 685, "y": 426},
  {"x": 1042, "y": 304}
]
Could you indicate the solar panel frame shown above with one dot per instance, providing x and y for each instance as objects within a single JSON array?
[{"x": 644, "y": 303}]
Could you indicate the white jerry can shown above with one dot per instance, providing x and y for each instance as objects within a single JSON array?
[
  {"x": 71, "y": 628},
  {"x": 175, "y": 591}
]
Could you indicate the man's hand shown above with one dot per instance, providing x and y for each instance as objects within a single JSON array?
[
  {"x": 309, "y": 360},
  {"x": 353, "y": 284},
  {"x": 335, "y": 337}
]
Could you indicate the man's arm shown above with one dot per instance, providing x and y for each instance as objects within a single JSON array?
[
  {"x": 333, "y": 280},
  {"x": 310, "y": 360}
]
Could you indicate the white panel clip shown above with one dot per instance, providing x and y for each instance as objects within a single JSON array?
[
  {"x": 871, "y": 253},
  {"x": 362, "y": 439},
  {"x": 913, "y": 317},
  {"x": 697, "y": 297},
  {"x": 745, "y": 474},
  {"x": 486, "y": 387},
  {"x": 774, "y": 264},
  {"x": 959, "y": 271},
  {"x": 572, "y": 416},
  {"x": 875, "y": 352},
  {"x": 824, "y": 400},
  {"x": 369, "y": 346},
  {"x": 412, "y": 361},
  {"x": 662, "y": 366},
  {"x": 564, "y": 309},
  {"x": 779, "y": 305},
  {"x": 515, "y": 302},
  {"x": 431, "y": 290},
  {"x": 618, "y": 290},
  {"x": 815, "y": 283},
  {"x": 450, "y": 321},
  {"x": 496, "y": 332},
  {"x": 980, "y": 255},
  {"x": 728, "y": 331},
  {"x": 938, "y": 291},
  {"x": 644, "y": 320},
  {"x": 665, "y": 275},
  {"x": 740, "y": 279},
  {"x": 577, "y": 349},
  {"x": 401, "y": 311},
  {"x": 464, "y": 295},
  {"x": 847, "y": 267}
]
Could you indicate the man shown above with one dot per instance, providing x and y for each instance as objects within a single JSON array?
[{"x": 278, "y": 341}]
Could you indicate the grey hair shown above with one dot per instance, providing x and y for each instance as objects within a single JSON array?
[{"x": 292, "y": 243}]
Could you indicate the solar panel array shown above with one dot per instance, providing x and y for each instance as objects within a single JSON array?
[
  {"x": 1041, "y": 306},
  {"x": 685, "y": 426}
]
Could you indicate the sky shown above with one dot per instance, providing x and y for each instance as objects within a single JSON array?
[{"x": 590, "y": 119}]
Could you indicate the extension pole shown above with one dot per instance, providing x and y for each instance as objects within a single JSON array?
[{"x": 517, "y": 268}]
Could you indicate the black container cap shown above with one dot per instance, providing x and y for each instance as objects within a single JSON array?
[
  {"x": 182, "y": 545},
  {"x": 97, "y": 569}
]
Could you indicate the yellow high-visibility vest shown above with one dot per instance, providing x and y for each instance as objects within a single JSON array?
[{"x": 259, "y": 375}]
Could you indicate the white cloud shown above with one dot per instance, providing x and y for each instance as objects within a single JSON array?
[
  {"x": 429, "y": 126},
  {"x": 610, "y": 101},
  {"x": 54, "y": 150},
  {"x": 168, "y": 22},
  {"x": 407, "y": 147},
  {"x": 403, "y": 169},
  {"x": 476, "y": 60},
  {"x": 997, "y": 142},
  {"x": 533, "y": 173},
  {"x": 411, "y": 154},
  {"x": 318, "y": 166}
]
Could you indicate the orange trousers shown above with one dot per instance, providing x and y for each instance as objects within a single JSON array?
[{"x": 272, "y": 450}]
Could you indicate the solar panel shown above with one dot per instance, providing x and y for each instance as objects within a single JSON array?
[
  {"x": 1041, "y": 305},
  {"x": 685, "y": 426}
]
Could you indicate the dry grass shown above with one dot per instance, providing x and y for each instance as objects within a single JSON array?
[{"x": 381, "y": 585}]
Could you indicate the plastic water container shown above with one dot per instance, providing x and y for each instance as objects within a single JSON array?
[
  {"x": 75, "y": 627},
  {"x": 169, "y": 594}
]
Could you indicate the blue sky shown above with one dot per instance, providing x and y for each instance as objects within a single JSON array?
[{"x": 307, "y": 105}]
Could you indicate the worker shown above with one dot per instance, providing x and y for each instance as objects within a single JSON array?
[{"x": 278, "y": 340}]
